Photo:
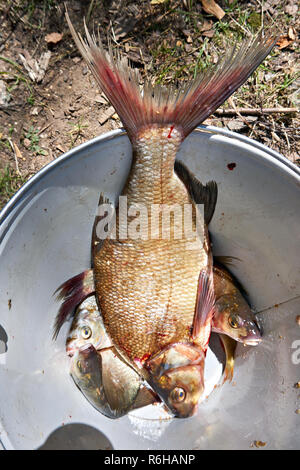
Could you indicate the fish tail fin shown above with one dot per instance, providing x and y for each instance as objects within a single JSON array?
[
  {"x": 184, "y": 108},
  {"x": 72, "y": 292}
]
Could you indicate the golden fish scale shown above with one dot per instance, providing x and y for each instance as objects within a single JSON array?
[{"x": 147, "y": 289}]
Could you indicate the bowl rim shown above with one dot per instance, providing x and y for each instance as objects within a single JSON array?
[{"x": 7, "y": 209}]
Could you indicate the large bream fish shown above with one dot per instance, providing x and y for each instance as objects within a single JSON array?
[
  {"x": 111, "y": 385},
  {"x": 156, "y": 293}
]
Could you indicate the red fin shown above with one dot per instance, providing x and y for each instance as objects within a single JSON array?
[
  {"x": 72, "y": 292},
  {"x": 218, "y": 83},
  {"x": 186, "y": 107},
  {"x": 204, "y": 310}
]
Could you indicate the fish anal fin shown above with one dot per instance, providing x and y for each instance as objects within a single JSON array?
[
  {"x": 206, "y": 194},
  {"x": 72, "y": 292},
  {"x": 229, "y": 346}
]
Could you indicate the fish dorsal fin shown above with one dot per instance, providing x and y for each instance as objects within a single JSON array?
[
  {"x": 206, "y": 194},
  {"x": 184, "y": 108},
  {"x": 204, "y": 310},
  {"x": 221, "y": 263},
  {"x": 229, "y": 346},
  {"x": 226, "y": 260}
]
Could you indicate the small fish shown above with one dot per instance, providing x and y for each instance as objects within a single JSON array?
[
  {"x": 87, "y": 328},
  {"x": 232, "y": 313},
  {"x": 156, "y": 294},
  {"x": 108, "y": 383}
]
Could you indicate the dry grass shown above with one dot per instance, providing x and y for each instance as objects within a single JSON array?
[{"x": 168, "y": 42}]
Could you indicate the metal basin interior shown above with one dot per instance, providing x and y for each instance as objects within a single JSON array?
[{"x": 45, "y": 239}]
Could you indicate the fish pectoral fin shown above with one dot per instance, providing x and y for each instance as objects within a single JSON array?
[
  {"x": 206, "y": 194},
  {"x": 105, "y": 210},
  {"x": 204, "y": 310},
  {"x": 72, "y": 292},
  {"x": 221, "y": 263},
  {"x": 229, "y": 347},
  {"x": 145, "y": 397}
]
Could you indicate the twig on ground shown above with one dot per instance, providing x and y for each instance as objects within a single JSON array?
[
  {"x": 10, "y": 106},
  {"x": 244, "y": 120},
  {"x": 254, "y": 111},
  {"x": 44, "y": 128},
  {"x": 17, "y": 154},
  {"x": 91, "y": 6},
  {"x": 246, "y": 31}
]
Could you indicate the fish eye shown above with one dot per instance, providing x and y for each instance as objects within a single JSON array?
[
  {"x": 233, "y": 321},
  {"x": 177, "y": 394},
  {"x": 86, "y": 332}
]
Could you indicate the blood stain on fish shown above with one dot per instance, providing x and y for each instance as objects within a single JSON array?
[
  {"x": 231, "y": 166},
  {"x": 171, "y": 129},
  {"x": 141, "y": 360}
]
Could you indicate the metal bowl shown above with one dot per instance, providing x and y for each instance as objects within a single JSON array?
[{"x": 45, "y": 239}]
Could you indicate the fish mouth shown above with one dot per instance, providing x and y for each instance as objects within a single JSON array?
[
  {"x": 70, "y": 352},
  {"x": 252, "y": 341}
]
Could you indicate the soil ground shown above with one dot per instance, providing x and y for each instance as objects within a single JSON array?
[{"x": 49, "y": 101}]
